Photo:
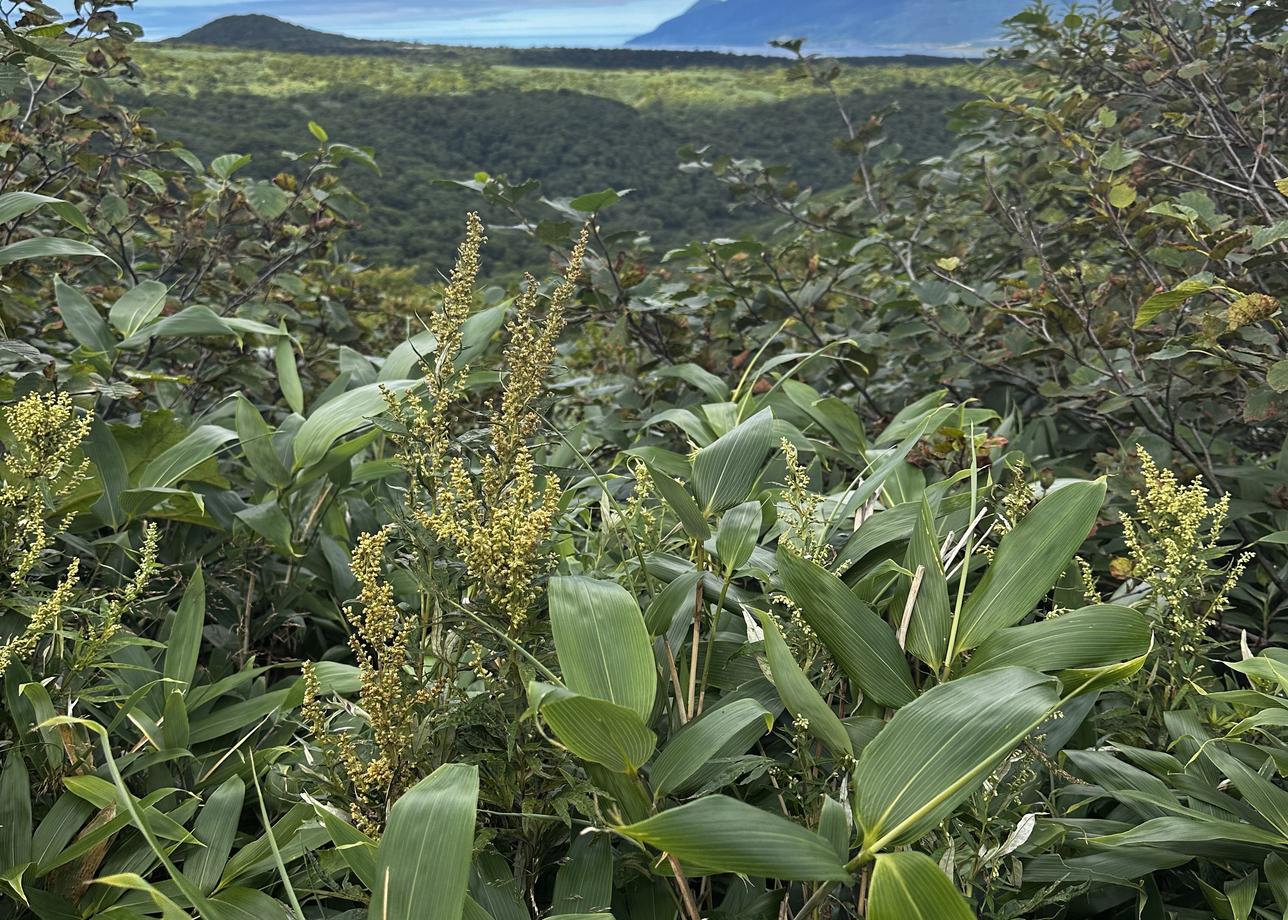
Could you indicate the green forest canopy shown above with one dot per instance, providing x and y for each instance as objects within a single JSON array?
[{"x": 577, "y": 121}]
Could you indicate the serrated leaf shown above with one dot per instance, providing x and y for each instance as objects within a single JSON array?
[{"x": 1169, "y": 300}]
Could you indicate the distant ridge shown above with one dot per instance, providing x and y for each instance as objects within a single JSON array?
[
  {"x": 862, "y": 27},
  {"x": 257, "y": 32}
]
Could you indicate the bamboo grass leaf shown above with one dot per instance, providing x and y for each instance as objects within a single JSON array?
[
  {"x": 911, "y": 886},
  {"x": 936, "y": 751},
  {"x": 424, "y": 856},
  {"x": 1029, "y": 560},
  {"x": 602, "y": 644},
  {"x": 862, "y": 643},
  {"x": 720, "y": 834},
  {"x": 799, "y": 695}
]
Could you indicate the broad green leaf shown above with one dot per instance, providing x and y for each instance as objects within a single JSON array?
[
  {"x": 862, "y": 643},
  {"x": 711, "y": 385},
  {"x": 226, "y": 164},
  {"x": 356, "y": 849},
  {"x": 176, "y": 462},
  {"x": 216, "y": 828},
  {"x": 137, "y": 307},
  {"x": 727, "y": 469},
  {"x": 492, "y": 883},
  {"x": 931, "y": 617},
  {"x": 57, "y": 828},
  {"x": 1193, "y": 833},
  {"x": 266, "y": 199},
  {"x": 834, "y": 826},
  {"x": 594, "y": 201},
  {"x": 235, "y": 717},
  {"x": 594, "y": 729},
  {"x": 269, "y": 521},
  {"x": 718, "y": 834},
  {"x": 15, "y": 812},
  {"x": 911, "y": 886},
  {"x": 84, "y": 322},
  {"x": 1115, "y": 867},
  {"x": 737, "y": 534},
  {"x": 1269, "y": 800},
  {"x": 248, "y": 904},
  {"x": 1090, "y": 637},
  {"x": 132, "y": 881},
  {"x": 889, "y": 463},
  {"x": 199, "y": 320},
  {"x": 679, "y": 596},
  {"x": 799, "y": 695},
  {"x": 681, "y": 503},
  {"x": 425, "y": 852},
  {"x": 603, "y": 648},
  {"x": 1030, "y": 560},
  {"x": 174, "y": 727},
  {"x": 584, "y": 883},
  {"x": 724, "y": 732},
  {"x": 44, "y": 247},
  {"x": 16, "y": 204},
  {"x": 1122, "y": 195},
  {"x": 936, "y": 751},
  {"x": 340, "y": 416},
  {"x": 109, "y": 463},
  {"x": 1168, "y": 300},
  {"x": 288, "y": 375},
  {"x": 404, "y": 360},
  {"x": 256, "y": 438},
  {"x": 184, "y": 642}
]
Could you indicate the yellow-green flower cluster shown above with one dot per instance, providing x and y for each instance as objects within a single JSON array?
[
  {"x": 40, "y": 469},
  {"x": 42, "y": 622},
  {"x": 496, "y": 516},
  {"x": 802, "y": 505},
  {"x": 380, "y": 641},
  {"x": 1172, "y": 541}
]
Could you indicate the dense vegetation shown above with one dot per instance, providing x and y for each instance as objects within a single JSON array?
[
  {"x": 572, "y": 120},
  {"x": 920, "y": 552}
]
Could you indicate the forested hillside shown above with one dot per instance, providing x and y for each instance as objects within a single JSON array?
[
  {"x": 919, "y": 551},
  {"x": 573, "y": 120}
]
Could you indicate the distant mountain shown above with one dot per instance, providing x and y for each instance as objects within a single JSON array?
[
  {"x": 839, "y": 26},
  {"x": 255, "y": 32}
]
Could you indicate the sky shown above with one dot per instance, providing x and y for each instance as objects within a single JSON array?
[{"x": 492, "y": 22}]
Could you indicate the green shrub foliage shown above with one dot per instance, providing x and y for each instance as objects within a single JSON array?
[{"x": 911, "y": 547}]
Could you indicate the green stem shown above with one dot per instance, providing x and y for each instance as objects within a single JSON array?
[
  {"x": 711, "y": 641},
  {"x": 967, "y": 550},
  {"x": 500, "y": 634}
]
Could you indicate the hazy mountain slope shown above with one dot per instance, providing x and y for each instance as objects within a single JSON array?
[{"x": 856, "y": 25}]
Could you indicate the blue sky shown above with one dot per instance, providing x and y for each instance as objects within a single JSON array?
[{"x": 496, "y": 22}]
